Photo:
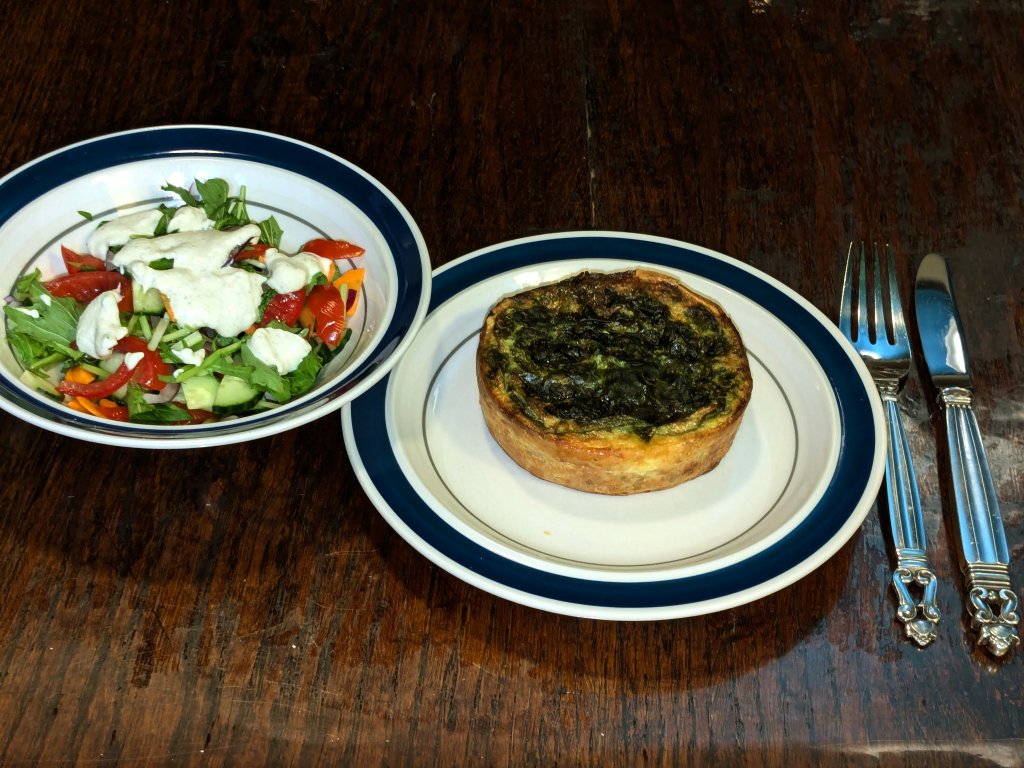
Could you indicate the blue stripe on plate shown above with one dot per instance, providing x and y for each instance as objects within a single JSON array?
[
  {"x": 838, "y": 503},
  {"x": 31, "y": 181}
]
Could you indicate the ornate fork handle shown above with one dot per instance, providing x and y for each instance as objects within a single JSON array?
[
  {"x": 993, "y": 603},
  {"x": 913, "y": 574}
]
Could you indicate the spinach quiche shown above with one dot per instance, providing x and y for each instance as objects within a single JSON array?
[{"x": 614, "y": 383}]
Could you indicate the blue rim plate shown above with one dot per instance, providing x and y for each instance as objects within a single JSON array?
[
  {"x": 311, "y": 192},
  {"x": 802, "y": 475}
]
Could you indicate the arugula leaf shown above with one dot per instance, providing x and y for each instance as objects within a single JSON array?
[
  {"x": 215, "y": 198},
  {"x": 34, "y": 337},
  {"x": 27, "y": 349},
  {"x": 264, "y": 377},
  {"x": 186, "y": 197},
  {"x": 301, "y": 380},
  {"x": 151, "y": 413},
  {"x": 226, "y": 367},
  {"x": 270, "y": 232},
  {"x": 238, "y": 210}
]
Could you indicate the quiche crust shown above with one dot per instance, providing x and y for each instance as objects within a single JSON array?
[{"x": 614, "y": 383}]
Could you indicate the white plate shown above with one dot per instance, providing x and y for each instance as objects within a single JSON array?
[
  {"x": 310, "y": 192},
  {"x": 796, "y": 484}
]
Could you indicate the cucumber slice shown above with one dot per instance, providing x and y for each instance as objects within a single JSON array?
[
  {"x": 235, "y": 395},
  {"x": 200, "y": 392},
  {"x": 146, "y": 302}
]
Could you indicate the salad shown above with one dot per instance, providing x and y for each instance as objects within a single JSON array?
[{"x": 184, "y": 313}]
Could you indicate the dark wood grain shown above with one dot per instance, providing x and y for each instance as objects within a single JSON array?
[{"x": 246, "y": 605}]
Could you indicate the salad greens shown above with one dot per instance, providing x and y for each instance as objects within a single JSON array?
[{"x": 140, "y": 364}]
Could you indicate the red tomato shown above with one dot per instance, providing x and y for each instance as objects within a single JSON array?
[
  {"x": 116, "y": 413},
  {"x": 285, "y": 308},
  {"x": 333, "y": 249},
  {"x": 99, "y": 388},
  {"x": 324, "y": 313},
  {"x": 146, "y": 373},
  {"x": 150, "y": 368},
  {"x": 86, "y": 286},
  {"x": 255, "y": 251},
  {"x": 79, "y": 262}
]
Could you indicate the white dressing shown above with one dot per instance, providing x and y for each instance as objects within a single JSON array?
[
  {"x": 187, "y": 355},
  {"x": 121, "y": 230},
  {"x": 189, "y": 218},
  {"x": 280, "y": 349},
  {"x": 227, "y": 300},
  {"x": 290, "y": 273},
  {"x": 199, "y": 250},
  {"x": 99, "y": 327}
]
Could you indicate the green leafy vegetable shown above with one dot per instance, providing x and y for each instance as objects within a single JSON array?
[
  {"x": 46, "y": 326},
  {"x": 151, "y": 413}
]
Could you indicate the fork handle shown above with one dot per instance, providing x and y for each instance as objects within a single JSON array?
[
  {"x": 985, "y": 556},
  {"x": 913, "y": 574}
]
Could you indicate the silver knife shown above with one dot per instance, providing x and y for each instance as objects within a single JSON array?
[{"x": 993, "y": 605}]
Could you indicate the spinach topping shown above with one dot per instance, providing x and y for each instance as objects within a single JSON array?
[{"x": 597, "y": 354}]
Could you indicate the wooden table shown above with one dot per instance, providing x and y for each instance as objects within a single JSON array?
[{"x": 247, "y": 605}]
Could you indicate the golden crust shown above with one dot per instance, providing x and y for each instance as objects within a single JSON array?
[{"x": 616, "y": 461}]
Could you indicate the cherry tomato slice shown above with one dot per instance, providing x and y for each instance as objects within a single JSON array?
[
  {"x": 255, "y": 251},
  {"x": 333, "y": 249},
  {"x": 150, "y": 368},
  {"x": 285, "y": 308},
  {"x": 86, "y": 286},
  {"x": 99, "y": 388},
  {"x": 324, "y": 313},
  {"x": 80, "y": 262},
  {"x": 147, "y": 373},
  {"x": 114, "y": 412}
]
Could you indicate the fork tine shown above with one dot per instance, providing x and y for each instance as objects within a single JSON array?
[
  {"x": 862, "y": 299},
  {"x": 899, "y": 327},
  {"x": 846, "y": 302},
  {"x": 881, "y": 310}
]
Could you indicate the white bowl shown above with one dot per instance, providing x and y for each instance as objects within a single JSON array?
[{"x": 310, "y": 192}]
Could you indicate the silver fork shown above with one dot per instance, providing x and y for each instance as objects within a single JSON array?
[{"x": 880, "y": 337}]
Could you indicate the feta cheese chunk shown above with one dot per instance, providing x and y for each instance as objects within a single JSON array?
[
  {"x": 119, "y": 231},
  {"x": 99, "y": 327},
  {"x": 290, "y": 273},
  {"x": 280, "y": 349}
]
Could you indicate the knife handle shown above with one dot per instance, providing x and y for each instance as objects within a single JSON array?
[
  {"x": 920, "y": 618},
  {"x": 993, "y": 605}
]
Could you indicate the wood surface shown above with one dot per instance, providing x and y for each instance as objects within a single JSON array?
[{"x": 246, "y": 605}]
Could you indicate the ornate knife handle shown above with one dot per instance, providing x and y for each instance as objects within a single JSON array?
[
  {"x": 920, "y": 616},
  {"x": 993, "y": 605}
]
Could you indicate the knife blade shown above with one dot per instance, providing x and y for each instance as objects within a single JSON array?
[{"x": 985, "y": 559}]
